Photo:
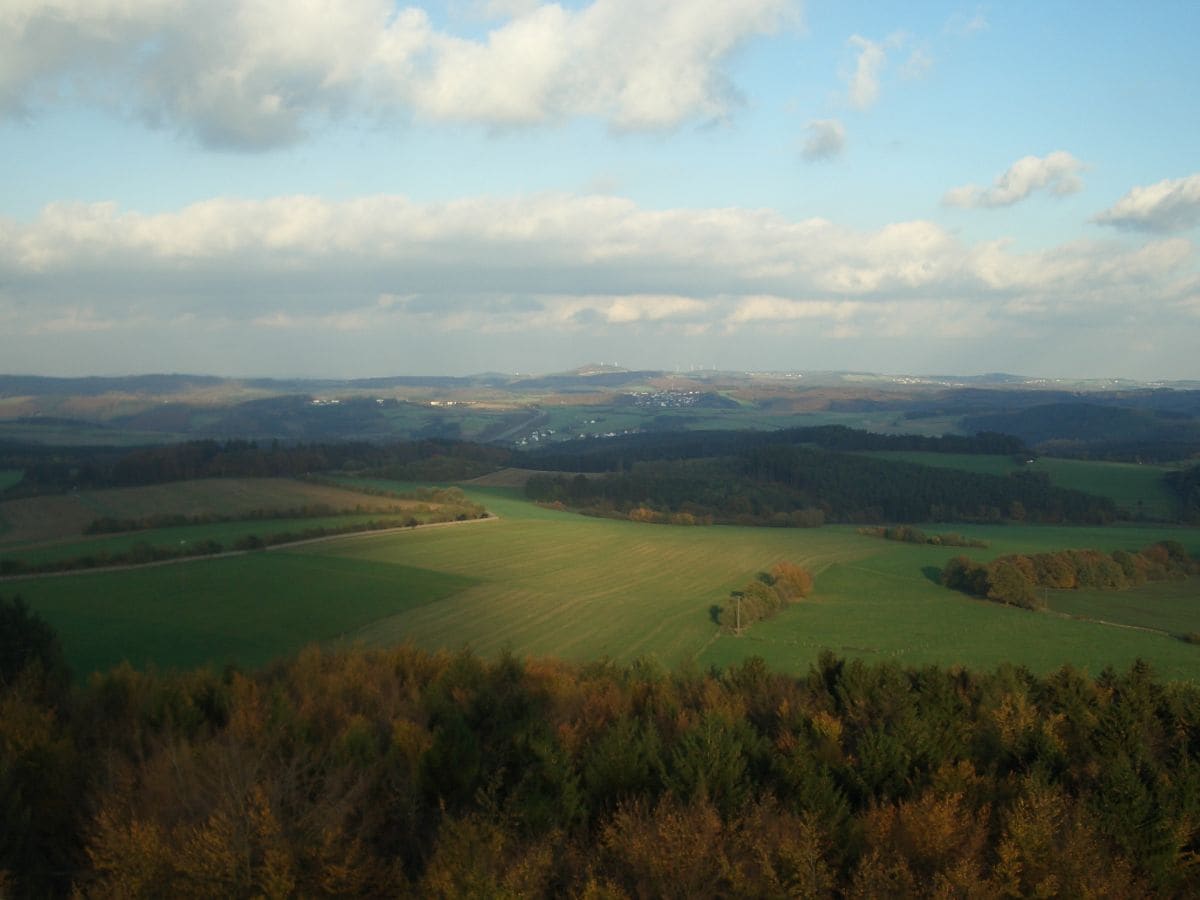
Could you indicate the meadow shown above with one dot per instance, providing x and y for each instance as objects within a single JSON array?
[
  {"x": 179, "y": 537},
  {"x": 543, "y": 582},
  {"x": 57, "y": 517},
  {"x": 889, "y": 606},
  {"x": 246, "y": 610}
]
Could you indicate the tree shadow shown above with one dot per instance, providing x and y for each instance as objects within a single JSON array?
[{"x": 933, "y": 573}]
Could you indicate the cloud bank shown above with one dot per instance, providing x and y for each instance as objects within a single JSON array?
[
  {"x": 259, "y": 74},
  {"x": 387, "y": 273},
  {"x": 1057, "y": 173}
]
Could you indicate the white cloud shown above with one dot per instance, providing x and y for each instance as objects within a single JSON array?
[
  {"x": 963, "y": 25},
  {"x": 1170, "y": 205},
  {"x": 549, "y": 260},
  {"x": 383, "y": 283},
  {"x": 782, "y": 309},
  {"x": 261, "y": 73},
  {"x": 863, "y": 83},
  {"x": 918, "y": 65},
  {"x": 826, "y": 140},
  {"x": 73, "y": 319},
  {"x": 1057, "y": 173}
]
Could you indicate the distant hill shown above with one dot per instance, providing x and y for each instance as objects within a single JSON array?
[
  {"x": 37, "y": 385},
  {"x": 588, "y": 381}
]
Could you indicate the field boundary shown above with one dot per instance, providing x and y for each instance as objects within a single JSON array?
[
  {"x": 1149, "y": 628},
  {"x": 225, "y": 554}
]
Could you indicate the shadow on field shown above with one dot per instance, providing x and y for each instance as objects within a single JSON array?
[{"x": 933, "y": 573}]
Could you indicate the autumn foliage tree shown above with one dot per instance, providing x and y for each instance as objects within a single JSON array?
[
  {"x": 1017, "y": 579},
  {"x": 765, "y": 596},
  {"x": 402, "y": 773}
]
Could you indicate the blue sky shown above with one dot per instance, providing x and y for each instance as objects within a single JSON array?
[{"x": 359, "y": 188}]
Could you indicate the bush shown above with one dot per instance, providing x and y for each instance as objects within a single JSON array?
[{"x": 765, "y": 596}]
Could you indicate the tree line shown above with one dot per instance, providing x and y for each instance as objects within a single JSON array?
[
  {"x": 621, "y": 453},
  {"x": 48, "y": 469},
  {"x": 911, "y": 534},
  {"x": 399, "y": 772},
  {"x": 764, "y": 596},
  {"x": 785, "y": 485},
  {"x": 1016, "y": 579},
  {"x": 1185, "y": 484}
]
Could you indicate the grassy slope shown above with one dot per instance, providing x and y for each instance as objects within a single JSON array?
[
  {"x": 65, "y": 515},
  {"x": 555, "y": 583},
  {"x": 545, "y": 582},
  {"x": 889, "y": 606},
  {"x": 224, "y": 533},
  {"x": 1169, "y": 606},
  {"x": 1132, "y": 487},
  {"x": 580, "y": 588}
]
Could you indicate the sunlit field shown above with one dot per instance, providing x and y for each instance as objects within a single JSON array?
[{"x": 543, "y": 582}]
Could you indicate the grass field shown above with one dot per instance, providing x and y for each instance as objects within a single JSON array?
[
  {"x": 246, "y": 609},
  {"x": 1137, "y": 489},
  {"x": 224, "y": 533},
  {"x": 61, "y": 516},
  {"x": 888, "y": 606},
  {"x": 543, "y": 582},
  {"x": 1168, "y": 606}
]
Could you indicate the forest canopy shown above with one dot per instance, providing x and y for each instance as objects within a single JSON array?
[
  {"x": 778, "y": 484},
  {"x": 393, "y": 772}
]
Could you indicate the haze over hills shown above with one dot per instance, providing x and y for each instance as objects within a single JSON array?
[{"x": 16, "y": 385}]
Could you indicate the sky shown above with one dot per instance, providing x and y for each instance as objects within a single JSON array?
[{"x": 351, "y": 188}]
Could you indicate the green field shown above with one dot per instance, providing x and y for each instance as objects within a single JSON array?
[
  {"x": 65, "y": 516},
  {"x": 889, "y": 606},
  {"x": 48, "y": 528},
  {"x": 1136, "y": 489},
  {"x": 542, "y": 582},
  {"x": 1167, "y": 606},
  {"x": 224, "y": 533},
  {"x": 243, "y": 609}
]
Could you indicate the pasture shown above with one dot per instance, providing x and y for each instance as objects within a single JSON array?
[
  {"x": 60, "y": 516},
  {"x": 224, "y": 533},
  {"x": 246, "y": 609},
  {"x": 1136, "y": 489},
  {"x": 542, "y": 582},
  {"x": 1166, "y": 606},
  {"x": 889, "y": 606}
]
